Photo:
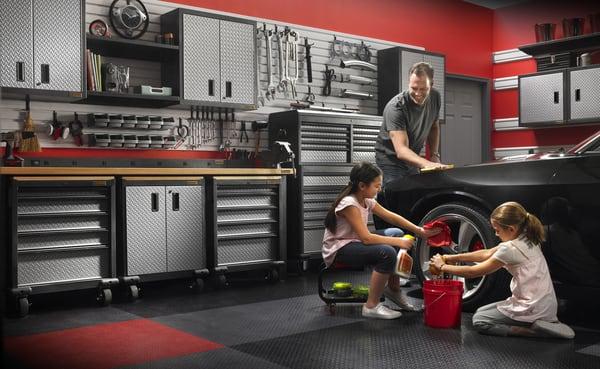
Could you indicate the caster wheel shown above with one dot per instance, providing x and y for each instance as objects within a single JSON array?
[
  {"x": 198, "y": 285},
  {"x": 133, "y": 292},
  {"x": 331, "y": 308},
  {"x": 104, "y": 297},
  {"x": 23, "y": 306},
  {"x": 273, "y": 276},
  {"x": 220, "y": 282}
]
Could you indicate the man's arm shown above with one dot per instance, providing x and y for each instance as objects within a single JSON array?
[
  {"x": 404, "y": 153},
  {"x": 433, "y": 141}
]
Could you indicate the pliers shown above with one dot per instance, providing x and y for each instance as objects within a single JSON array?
[{"x": 243, "y": 132}]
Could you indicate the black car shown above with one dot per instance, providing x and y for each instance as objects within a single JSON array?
[{"x": 561, "y": 188}]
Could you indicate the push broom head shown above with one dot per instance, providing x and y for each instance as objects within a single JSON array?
[{"x": 29, "y": 141}]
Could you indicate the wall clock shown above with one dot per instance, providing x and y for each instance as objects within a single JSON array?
[{"x": 129, "y": 18}]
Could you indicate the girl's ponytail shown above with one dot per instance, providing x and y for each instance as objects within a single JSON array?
[{"x": 534, "y": 230}]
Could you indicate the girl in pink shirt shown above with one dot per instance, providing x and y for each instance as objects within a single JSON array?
[
  {"x": 347, "y": 239},
  {"x": 531, "y": 310}
]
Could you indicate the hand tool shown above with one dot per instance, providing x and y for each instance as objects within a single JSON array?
[
  {"x": 294, "y": 56},
  {"x": 329, "y": 76},
  {"x": 356, "y": 94},
  {"x": 76, "y": 128},
  {"x": 310, "y": 97},
  {"x": 243, "y": 132},
  {"x": 356, "y": 79},
  {"x": 308, "y": 58},
  {"x": 259, "y": 95},
  {"x": 358, "y": 64},
  {"x": 271, "y": 85}
]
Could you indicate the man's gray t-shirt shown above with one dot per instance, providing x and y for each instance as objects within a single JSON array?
[{"x": 403, "y": 114}]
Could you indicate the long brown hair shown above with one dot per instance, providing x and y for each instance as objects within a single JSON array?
[
  {"x": 363, "y": 172},
  {"x": 514, "y": 214}
]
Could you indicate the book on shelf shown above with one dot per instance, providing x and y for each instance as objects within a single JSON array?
[{"x": 94, "y": 71}]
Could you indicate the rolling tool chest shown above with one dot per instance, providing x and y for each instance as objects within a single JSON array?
[
  {"x": 248, "y": 225},
  {"x": 163, "y": 235},
  {"x": 326, "y": 146},
  {"x": 62, "y": 236}
]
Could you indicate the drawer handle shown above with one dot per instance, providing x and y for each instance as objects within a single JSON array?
[
  {"x": 20, "y": 74},
  {"x": 228, "y": 89},
  {"x": 556, "y": 97},
  {"x": 45, "y": 74},
  {"x": 175, "y": 198},
  {"x": 578, "y": 94},
  {"x": 154, "y": 202}
]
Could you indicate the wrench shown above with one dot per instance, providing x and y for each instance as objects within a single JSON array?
[
  {"x": 282, "y": 68},
  {"x": 294, "y": 55},
  {"x": 259, "y": 96},
  {"x": 271, "y": 88}
]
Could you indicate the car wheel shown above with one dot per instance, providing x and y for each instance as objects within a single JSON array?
[{"x": 471, "y": 231}]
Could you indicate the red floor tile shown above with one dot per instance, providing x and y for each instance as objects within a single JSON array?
[{"x": 105, "y": 346}]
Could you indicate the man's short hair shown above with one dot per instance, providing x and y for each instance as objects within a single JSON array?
[{"x": 420, "y": 69}]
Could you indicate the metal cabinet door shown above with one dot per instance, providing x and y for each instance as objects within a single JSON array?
[
  {"x": 57, "y": 45},
  {"x": 585, "y": 93},
  {"x": 145, "y": 228},
  {"x": 238, "y": 63},
  {"x": 541, "y": 98},
  {"x": 186, "y": 248},
  {"x": 408, "y": 59},
  {"x": 16, "y": 43},
  {"x": 439, "y": 78},
  {"x": 201, "y": 65}
]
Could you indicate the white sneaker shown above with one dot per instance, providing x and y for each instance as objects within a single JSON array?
[
  {"x": 380, "y": 312},
  {"x": 399, "y": 299},
  {"x": 553, "y": 329}
]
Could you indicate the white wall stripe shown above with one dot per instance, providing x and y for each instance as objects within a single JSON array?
[
  {"x": 506, "y": 83},
  {"x": 503, "y": 152},
  {"x": 506, "y": 124},
  {"x": 506, "y": 56}
]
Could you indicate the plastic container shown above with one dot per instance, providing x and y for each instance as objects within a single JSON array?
[
  {"x": 129, "y": 121},
  {"x": 168, "y": 123},
  {"x": 115, "y": 120},
  {"x": 116, "y": 140},
  {"x": 443, "y": 303},
  {"x": 130, "y": 141},
  {"x": 143, "y": 142},
  {"x": 404, "y": 261},
  {"x": 101, "y": 140},
  {"x": 342, "y": 289},
  {"x": 98, "y": 119},
  {"x": 156, "y": 122},
  {"x": 156, "y": 142},
  {"x": 143, "y": 121},
  {"x": 170, "y": 142}
]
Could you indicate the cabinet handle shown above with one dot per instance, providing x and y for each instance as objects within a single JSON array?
[
  {"x": 211, "y": 87},
  {"x": 556, "y": 97},
  {"x": 45, "y": 74},
  {"x": 20, "y": 74},
  {"x": 228, "y": 89},
  {"x": 175, "y": 197},
  {"x": 155, "y": 202},
  {"x": 578, "y": 94}
]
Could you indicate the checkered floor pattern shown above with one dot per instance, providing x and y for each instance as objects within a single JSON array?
[{"x": 259, "y": 325}]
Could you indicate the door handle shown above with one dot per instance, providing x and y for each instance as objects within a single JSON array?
[
  {"x": 44, "y": 74},
  {"x": 556, "y": 97},
  {"x": 175, "y": 198},
  {"x": 20, "y": 73},
  {"x": 578, "y": 94},
  {"x": 154, "y": 201},
  {"x": 228, "y": 89},
  {"x": 211, "y": 87}
]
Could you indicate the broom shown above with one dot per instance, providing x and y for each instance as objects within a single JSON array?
[{"x": 29, "y": 141}]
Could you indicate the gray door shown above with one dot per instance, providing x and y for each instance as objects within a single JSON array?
[
  {"x": 439, "y": 77},
  {"x": 16, "y": 44},
  {"x": 460, "y": 141},
  {"x": 585, "y": 94},
  {"x": 146, "y": 232},
  {"x": 201, "y": 65},
  {"x": 57, "y": 45},
  {"x": 186, "y": 248},
  {"x": 238, "y": 63},
  {"x": 541, "y": 98}
]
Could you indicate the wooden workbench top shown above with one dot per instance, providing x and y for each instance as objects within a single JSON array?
[{"x": 142, "y": 171}]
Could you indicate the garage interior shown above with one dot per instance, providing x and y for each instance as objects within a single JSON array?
[{"x": 164, "y": 184}]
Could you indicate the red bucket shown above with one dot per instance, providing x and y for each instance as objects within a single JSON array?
[{"x": 443, "y": 303}]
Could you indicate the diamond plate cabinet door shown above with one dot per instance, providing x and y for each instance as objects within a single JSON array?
[
  {"x": 238, "y": 63},
  {"x": 585, "y": 93},
  {"x": 201, "y": 68},
  {"x": 186, "y": 248},
  {"x": 542, "y": 98},
  {"x": 145, "y": 227},
  {"x": 16, "y": 44}
]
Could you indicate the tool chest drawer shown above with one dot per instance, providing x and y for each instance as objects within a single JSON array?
[{"x": 249, "y": 221}]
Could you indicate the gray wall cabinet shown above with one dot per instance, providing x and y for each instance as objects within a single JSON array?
[
  {"x": 218, "y": 58},
  {"x": 41, "y": 43},
  {"x": 560, "y": 97},
  {"x": 392, "y": 73},
  {"x": 164, "y": 227}
]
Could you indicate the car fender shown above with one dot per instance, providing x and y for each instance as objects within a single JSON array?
[{"x": 421, "y": 207}]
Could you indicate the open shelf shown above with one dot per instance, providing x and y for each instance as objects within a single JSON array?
[
  {"x": 568, "y": 44},
  {"x": 131, "y": 49},
  {"x": 136, "y": 100}
]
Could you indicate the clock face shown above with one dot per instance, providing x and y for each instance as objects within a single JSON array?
[{"x": 131, "y": 16}]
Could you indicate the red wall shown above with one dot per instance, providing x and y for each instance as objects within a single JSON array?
[{"x": 513, "y": 26}]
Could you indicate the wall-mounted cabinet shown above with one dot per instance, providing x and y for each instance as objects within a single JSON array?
[
  {"x": 45, "y": 40},
  {"x": 217, "y": 62},
  {"x": 392, "y": 73},
  {"x": 559, "y": 97}
]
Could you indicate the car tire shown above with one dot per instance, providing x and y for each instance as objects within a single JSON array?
[{"x": 472, "y": 224}]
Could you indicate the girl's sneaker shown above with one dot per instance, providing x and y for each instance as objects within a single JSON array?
[{"x": 380, "y": 312}]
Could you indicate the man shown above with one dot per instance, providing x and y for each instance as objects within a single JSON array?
[{"x": 409, "y": 119}]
